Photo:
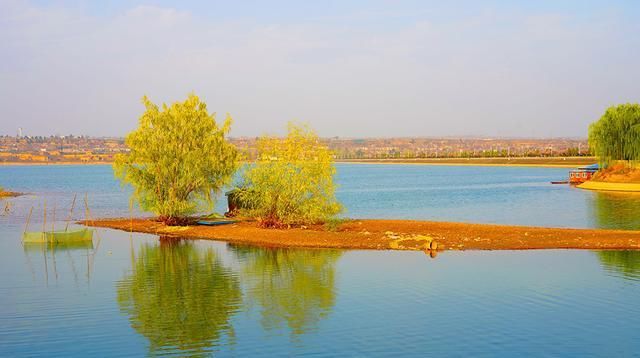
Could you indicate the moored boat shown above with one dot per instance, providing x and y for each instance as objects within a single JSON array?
[
  {"x": 582, "y": 174},
  {"x": 57, "y": 236},
  {"x": 216, "y": 222}
]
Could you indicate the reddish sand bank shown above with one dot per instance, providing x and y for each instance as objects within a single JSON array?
[
  {"x": 395, "y": 234},
  {"x": 618, "y": 173},
  {"x": 617, "y": 177},
  {"x": 8, "y": 194}
]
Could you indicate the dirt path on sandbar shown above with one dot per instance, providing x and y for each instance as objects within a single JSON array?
[{"x": 394, "y": 235}]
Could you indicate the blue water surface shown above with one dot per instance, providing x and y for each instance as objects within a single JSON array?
[
  {"x": 500, "y": 195},
  {"x": 137, "y": 294}
]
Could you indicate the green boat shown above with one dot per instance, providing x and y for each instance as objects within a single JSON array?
[{"x": 58, "y": 236}]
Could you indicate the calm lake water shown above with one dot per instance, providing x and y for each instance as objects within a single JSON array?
[{"x": 135, "y": 294}]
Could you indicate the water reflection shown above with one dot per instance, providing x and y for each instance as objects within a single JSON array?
[
  {"x": 47, "y": 259},
  {"x": 616, "y": 210},
  {"x": 626, "y": 263},
  {"x": 57, "y": 247},
  {"x": 180, "y": 297},
  {"x": 294, "y": 287}
]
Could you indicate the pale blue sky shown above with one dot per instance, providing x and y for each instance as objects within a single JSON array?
[{"x": 348, "y": 68}]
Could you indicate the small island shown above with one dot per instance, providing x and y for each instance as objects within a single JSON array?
[
  {"x": 286, "y": 198},
  {"x": 392, "y": 235},
  {"x": 8, "y": 194},
  {"x": 179, "y": 158}
]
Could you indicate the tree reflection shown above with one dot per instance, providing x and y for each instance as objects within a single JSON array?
[
  {"x": 625, "y": 262},
  {"x": 293, "y": 286},
  {"x": 180, "y": 297},
  {"x": 617, "y": 210}
]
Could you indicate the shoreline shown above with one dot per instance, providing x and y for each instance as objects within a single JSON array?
[
  {"x": 610, "y": 186},
  {"x": 393, "y": 235},
  {"x": 544, "y": 162}
]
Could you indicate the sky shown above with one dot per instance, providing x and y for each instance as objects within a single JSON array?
[{"x": 347, "y": 68}]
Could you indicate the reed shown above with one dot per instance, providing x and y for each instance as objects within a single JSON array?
[
  {"x": 73, "y": 205},
  {"x": 26, "y": 226},
  {"x": 44, "y": 221},
  {"x": 53, "y": 221}
]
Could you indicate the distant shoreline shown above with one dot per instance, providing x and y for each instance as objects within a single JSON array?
[{"x": 551, "y": 162}]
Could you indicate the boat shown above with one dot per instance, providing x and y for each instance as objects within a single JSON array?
[
  {"x": 582, "y": 174},
  {"x": 65, "y": 236},
  {"x": 216, "y": 222},
  {"x": 80, "y": 235},
  {"x": 560, "y": 182},
  {"x": 58, "y": 246}
]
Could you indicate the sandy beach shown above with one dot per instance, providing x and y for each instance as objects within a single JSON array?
[{"x": 607, "y": 186}]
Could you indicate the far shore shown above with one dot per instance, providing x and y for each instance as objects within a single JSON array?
[
  {"x": 393, "y": 235},
  {"x": 553, "y": 162},
  {"x": 557, "y": 162}
]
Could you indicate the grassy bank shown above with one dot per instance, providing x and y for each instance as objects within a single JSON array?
[{"x": 395, "y": 235}]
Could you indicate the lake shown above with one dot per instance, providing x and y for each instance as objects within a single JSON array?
[{"x": 137, "y": 294}]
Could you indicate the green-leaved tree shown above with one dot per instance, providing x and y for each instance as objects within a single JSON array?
[
  {"x": 616, "y": 135},
  {"x": 178, "y": 159},
  {"x": 291, "y": 182}
]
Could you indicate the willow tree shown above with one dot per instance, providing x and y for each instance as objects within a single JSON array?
[
  {"x": 616, "y": 135},
  {"x": 178, "y": 159},
  {"x": 291, "y": 182}
]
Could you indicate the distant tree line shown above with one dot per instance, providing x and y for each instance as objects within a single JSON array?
[{"x": 495, "y": 153}]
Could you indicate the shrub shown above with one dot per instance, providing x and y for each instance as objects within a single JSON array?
[
  {"x": 178, "y": 159},
  {"x": 291, "y": 182}
]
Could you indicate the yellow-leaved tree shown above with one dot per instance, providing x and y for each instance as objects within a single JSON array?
[
  {"x": 179, "y": 159},
  {"x": 291, "y": 182}
]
